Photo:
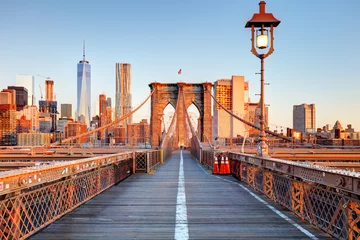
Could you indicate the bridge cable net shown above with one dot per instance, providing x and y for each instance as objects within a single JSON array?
[
  {"x": 249, "y": 123},
  {"x": 167, "y": 143},
  {"x": 195, "y": 141},
  {"x": 70, "y": 139}
]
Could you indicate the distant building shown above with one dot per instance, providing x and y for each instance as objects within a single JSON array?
[
  {"x": 253, "y": 113},
  {"x": 31, "y": 113},
  {"x": 49, "y": 90},
  {"x": 62, "y": 122},
  {"x": 233, "y": 95},
  {"x": 45, "y": 124},
  {"x": 7, "y": 118},
  {"x": 33, "y": 139},
  {"x": 8, "y": 96},
  {"x": 76, "y": 128},
  {"x": 123, "y": 102},
  {"x": 138, "y": 133},
  {"x": 102, "y": 105},
  {"x": 23, "y": 125},
  {"x": 108, "y": 102},
  {"x": 84, "y": 91},
  {"x": 66, "y": 110},
  {"x": 49, "y": 109},
  {"x": 119, "y": 135},
  {"x": 338, "y": 132},
  {"x": 21, "y": 95},
  {"x": 27, "y": 81},
  {"x": 304, "y": 119}
]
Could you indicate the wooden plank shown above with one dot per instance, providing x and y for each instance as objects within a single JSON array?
[{"x": 144, "y": 207}]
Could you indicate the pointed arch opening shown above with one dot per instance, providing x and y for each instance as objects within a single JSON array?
[
  {"x": 168, "y": 114},
  {"x": 194, "y": 115}
]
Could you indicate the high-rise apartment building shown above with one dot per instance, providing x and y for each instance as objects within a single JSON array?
[
  {"x": 49, "y": 90},
  {"x": 304, "y": 118},
  {"x": 27, "y": 81},
  {"x": 230, "y": 93},
  {"x": 83, "y": 111},
  {"x": 66, "y": 110},
  {"x": 123, "y": 92},
  {"x": 103, "y": 111},
  {"x": 102, "y": 105},
  {"x": 21, "y": 95}
]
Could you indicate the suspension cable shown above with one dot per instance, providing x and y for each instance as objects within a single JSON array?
[
  {"x": 188, "y": 119},
  {"x": 246, "y": 122},
  {"x": 106, "y": 126},
  {"x": 170, "y": 129}
]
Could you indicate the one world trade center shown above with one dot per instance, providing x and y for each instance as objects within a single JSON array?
[{"x": 83, "y": 112}]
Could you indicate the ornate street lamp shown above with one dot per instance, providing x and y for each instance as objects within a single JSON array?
[{"x": 264, "y": 23}]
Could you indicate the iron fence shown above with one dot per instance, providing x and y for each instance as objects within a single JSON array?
[
  {"x": 334, "y": 210},
  {"x": 33, "y": 198}
]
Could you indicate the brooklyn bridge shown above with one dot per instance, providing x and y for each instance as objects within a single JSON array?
[{"x": 172, "y": 192}]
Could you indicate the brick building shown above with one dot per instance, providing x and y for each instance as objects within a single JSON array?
[
  {"x": 76, "y": 128},
  {"x": 138, "y": 133}
]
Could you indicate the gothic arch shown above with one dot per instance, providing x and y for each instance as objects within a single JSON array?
[{"x": 194, "y": 93}]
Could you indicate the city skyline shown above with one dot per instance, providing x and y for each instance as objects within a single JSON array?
[{"x": 206, "y": 47}]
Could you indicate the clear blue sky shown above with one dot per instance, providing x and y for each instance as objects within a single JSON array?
[{"x": 315, "y": 59}]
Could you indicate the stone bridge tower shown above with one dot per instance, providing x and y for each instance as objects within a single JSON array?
[{"x": 167, "y": 93}]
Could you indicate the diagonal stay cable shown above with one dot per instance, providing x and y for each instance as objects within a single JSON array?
[
  {"x": 246, "y": 122},
  {"x": 106, "y": 126}
]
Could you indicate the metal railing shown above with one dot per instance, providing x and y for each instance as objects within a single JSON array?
[
  {"x": 148, "y": 161},
  {"x": 34, "y": 197},
  {"x": 326, "y": 197}
]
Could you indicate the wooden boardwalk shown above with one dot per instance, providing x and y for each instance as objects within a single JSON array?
[{"x": 145, "y": 207}]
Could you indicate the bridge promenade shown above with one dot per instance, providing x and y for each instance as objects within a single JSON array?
[{"x": 160, "y": 206}]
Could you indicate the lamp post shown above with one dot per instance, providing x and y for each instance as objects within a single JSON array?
[{"x": 264, "y": 23}]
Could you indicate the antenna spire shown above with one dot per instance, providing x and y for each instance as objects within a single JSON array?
[{"x": 84, "y": 50}]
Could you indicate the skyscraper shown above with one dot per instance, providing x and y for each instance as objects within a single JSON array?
[
  {"x": 123, "y": 92},
  {"x": 27, "y": 81},
  {"x": 84, "y": 91},
  {"x": 102, "y": 105},
  {"x": 304, "y": 118}
]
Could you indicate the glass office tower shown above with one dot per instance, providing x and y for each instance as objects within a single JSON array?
[{"x": 83, "y": 111}]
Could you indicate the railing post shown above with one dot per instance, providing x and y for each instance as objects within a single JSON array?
[
  {"x": 297, "y": 198},
  {"x": 200, "y": 156},
  {"x": 15, "y": 217},
  {"x": 147, "y": 162},
  {"x": 134, "y": 161},
  {"x": 268, "y": 184},
  {"x": 353, "y": 220},
  {"x": 161, "y": 156}
]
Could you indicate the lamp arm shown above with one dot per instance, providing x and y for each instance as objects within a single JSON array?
[
  {"x": 253, "y": 49},
  {"x": 271, "y": 50}
]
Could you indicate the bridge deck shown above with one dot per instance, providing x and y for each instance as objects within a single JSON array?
[{"x": 144, "y": 207}]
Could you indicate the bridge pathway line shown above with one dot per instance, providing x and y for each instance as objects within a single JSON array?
[{"x": 144, "y": 207}]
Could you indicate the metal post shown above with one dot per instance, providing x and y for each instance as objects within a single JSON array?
[
  {"x": 148, "y": 162},
  {"x": 263, "y": 147}
]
